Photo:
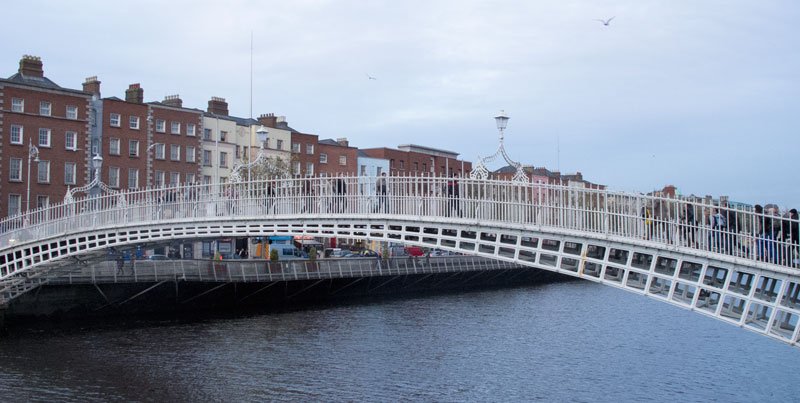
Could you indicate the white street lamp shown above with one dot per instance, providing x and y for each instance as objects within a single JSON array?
[
  {"x": 33, "y": 153},
  {"x": 262, "y": 138},
  {"x": 480, "y": 171}
]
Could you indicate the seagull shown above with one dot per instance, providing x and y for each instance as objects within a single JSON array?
[
  {"x": 606, "y": 22},
  {"x": 369, "y": 77}
]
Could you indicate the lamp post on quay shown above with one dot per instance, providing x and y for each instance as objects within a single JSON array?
[
  {"x": 33, "y": 153},
  {"x": 480, "y": 171}
]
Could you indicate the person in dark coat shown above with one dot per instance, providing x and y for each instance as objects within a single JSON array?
[{"x": 453, "y": 196}]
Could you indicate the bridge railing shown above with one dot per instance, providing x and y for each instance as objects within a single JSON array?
[{"x": 668, "y": 222}]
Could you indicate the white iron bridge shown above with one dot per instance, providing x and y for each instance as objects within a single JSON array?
[{"x": 742, "y": 268}]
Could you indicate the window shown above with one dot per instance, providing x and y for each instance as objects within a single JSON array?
[
  {"x": 161, "y": 125},
  {"x": 391, "y": 163},
  {"x": 190, "y": 178},
  {"x": 14, "y": 203},
  {"x": 72, "y": 112},
  {"x": 113, "y": 177},
  {"x": 309, "y": 149},
  {"x": 402, "y": 164},
  {"x": 114, "y": 119},
  {"x": 190, "y": 157},
  {"x": 15, "y": 170},
  {"x": 16, "y": 134},
  {"x": 207, "y": 158},
  {"x": 424, "y": 167},
  {"x": 378, "y": 171},
  {"x": 43, "y": 172},
  {"x": 69, "y": 173},
  {"x": 42, "y": 201},
  {"x": 279, "y": 144},
  {"x": 223, "y": 135},
  {"x": 295, "y": 147},
  {"x": 174, "y": 152},
  {"x": 159, "y": 178},
  {"x": 416, "y": 166},
  {"x": 133, "y": 148},
  {"x": 206, "y": 179},
  {"x": 17, "y": 105},
  {"x": 342, "y": 160},
  {"x": 71, "y": 141},
  {"x": 174, "y": 178},
  {"x": 44, "y": 108},
  {"x": 223, "y": 159},
  {"x": 323, "y": 158},
  {"x": 44, "y": 137},
  {"x": 309, "y": 169},
  {"x": 134, "y": 122},
  {"x": 207, "y": 134},
  {"x": 175, "y": 128},
  {"x": 113, "y": 146},
  {"x": 363, "y": 170},
  {"x": 161, "y": 151},
  {"x": 190, "y": 129},
  {"x": 238, "y": 153},
  {"x": 296, "y": 168},
  {"x": 133, "y": 178}
]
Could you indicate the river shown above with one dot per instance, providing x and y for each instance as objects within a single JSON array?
[{"x": 572, "y": 341}]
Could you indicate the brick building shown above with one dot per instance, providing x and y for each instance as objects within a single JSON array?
[
  {"x": 305, "y": 153},
  {"x": 174, "y": 133},
  {"x": 336, "y": 157},
  {"x": 35, "y": 111},
  {"x": 410, "y": 159}
]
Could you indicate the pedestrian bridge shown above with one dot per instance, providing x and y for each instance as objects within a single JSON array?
[{"x": 664, "y": 248}]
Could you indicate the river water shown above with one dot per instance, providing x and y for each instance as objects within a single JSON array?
[{"x": 572, "y": 341}]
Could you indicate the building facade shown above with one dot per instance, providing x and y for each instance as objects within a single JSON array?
[
  {"x": 410, "y": 159},
  {"x": 44, "y": 133}
]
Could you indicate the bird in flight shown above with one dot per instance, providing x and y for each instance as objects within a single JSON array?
[
  {"x": 606, "y": 22},
  {"x": 369, "y": 77}
]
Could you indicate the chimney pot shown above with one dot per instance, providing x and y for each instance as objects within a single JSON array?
[
  {"x": 31, "y": 66},
  {"x": 92, "y": 85},
  {"x": 134, "y": 94},
  {"x": 173, "y": 100},
  {"x": 218, "y": 106}
]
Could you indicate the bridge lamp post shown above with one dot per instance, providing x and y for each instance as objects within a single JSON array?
[
  {"x": 33, "y": 153},
  {"x": 262, "y": 138},
  {"x": 97, "y": 165}
]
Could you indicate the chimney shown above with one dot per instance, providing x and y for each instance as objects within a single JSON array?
[
  {"x": 92, "y": 85},
  {"x": 218, "y": 106},
  {"x": 268, "y": 119},
  {"x": 343, "y": 141},
  {"x": 173, "y": 100},
  {"x": 31, "y": 66},
  {"x": 134, "y": 94}
]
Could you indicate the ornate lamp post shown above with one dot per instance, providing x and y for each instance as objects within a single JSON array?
[
  {"x": 236, "y": 176},
  {"x": 97, "y": 164},
  {"x": 479, "y": 171}
]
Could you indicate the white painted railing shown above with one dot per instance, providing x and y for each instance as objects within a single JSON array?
[{"x": 664, "y": 222}]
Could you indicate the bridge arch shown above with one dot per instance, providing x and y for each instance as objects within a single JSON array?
[{"x": 596, "y": 236}]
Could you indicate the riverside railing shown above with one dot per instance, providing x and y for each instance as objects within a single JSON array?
[
  {"x": 266, "y": 271},
  {"x": 702, "y": 225}
]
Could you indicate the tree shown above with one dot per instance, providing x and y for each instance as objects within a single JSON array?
[
  {"x": 273, "y": 255},
  {"x": 312, "y": 254}
]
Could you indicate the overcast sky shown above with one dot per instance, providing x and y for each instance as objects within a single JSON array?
[{"x": 703, "y": 95}]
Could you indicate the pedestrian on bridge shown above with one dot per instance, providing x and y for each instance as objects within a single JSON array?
[
  {"x": 381, "y": 190},
  {"x": 453, "y": 196}
]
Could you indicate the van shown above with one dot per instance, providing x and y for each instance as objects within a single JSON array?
[{"x": 285, "y": 251}]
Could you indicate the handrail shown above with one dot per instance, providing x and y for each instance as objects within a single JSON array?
[{"x": 664, "y": 222}]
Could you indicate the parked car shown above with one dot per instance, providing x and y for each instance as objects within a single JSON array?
[
  {"x": 158, "y": 257},
  {"x": 415, "y": 251}
]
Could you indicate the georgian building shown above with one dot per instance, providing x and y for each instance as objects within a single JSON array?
[
  {"x": 37, "y": 114},
  {"x": 410, "y": 159}
]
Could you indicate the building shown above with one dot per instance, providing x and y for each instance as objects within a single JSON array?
[
  {"x": 174, "y": 136},
  {"x": 218, "y": 142},
  {"x": 337, "y": 158},
  {"x": 410, "y": 159},
  {"x": 304, "y": 153},
  {"x": 37, "y": 114}
]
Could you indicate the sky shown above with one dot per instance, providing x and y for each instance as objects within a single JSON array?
[{"x": 700, "y": 94}]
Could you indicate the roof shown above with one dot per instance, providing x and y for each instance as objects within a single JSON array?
[
  {"x": 427, "y": 150},
  {"x": 41, "y": 82},
  {"x": 239, "y": 121},
  {"x": 330, "y": 142},
  {"x": 158, "y": 103}
]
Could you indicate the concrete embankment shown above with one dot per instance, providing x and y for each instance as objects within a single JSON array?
[{"x": 57, "y": 303}]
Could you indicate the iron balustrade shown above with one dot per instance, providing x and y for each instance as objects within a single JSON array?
[{"x": 662, "y": 222}]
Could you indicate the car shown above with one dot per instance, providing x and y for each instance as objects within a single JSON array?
[{"x": 158, "y": 257}]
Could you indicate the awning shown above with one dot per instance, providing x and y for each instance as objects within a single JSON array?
[{"x": 307, "y": 242}]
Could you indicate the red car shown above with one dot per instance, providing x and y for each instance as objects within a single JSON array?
[{"x": 414, "y": 251}]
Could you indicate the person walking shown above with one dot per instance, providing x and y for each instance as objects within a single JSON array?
[
  {"x": 381, "y": 190},
  {"x": 453, "y": 196}
]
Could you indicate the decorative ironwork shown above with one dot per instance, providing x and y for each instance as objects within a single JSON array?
[{"x": 480, "y": 171}]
